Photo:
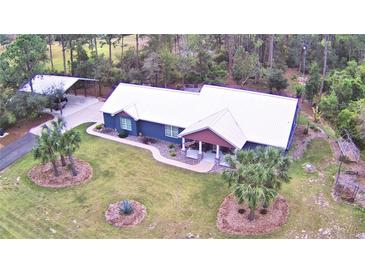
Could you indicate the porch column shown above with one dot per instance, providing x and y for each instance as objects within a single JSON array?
[
  {"x": 200, "y": 148},
  {"x": 217, "y": 153},
  {"x": 183, "y": 144}
]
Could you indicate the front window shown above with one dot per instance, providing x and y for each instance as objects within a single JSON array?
[
  {"x": 171, "y": 131},
  {"x": 125, "y": 123}
]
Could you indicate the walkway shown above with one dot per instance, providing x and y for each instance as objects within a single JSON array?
[
  {"x": 15, "y": 150},
  {"x": 201, "y": 167}
]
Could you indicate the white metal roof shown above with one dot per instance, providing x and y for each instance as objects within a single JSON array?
[
  {"x": 44, "y": 83},
  {"x": 235, "y": 115},
  {"x": 218, "y": 123}
]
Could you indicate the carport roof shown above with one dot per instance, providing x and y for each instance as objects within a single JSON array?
[{"x": 43, "y": 83}]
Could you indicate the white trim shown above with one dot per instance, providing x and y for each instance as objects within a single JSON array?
[
  {"x": 128, "y": 123},
  {"x": 217, "y": 152},
  {"x": 170, "y": 129},
  {"x": 183, "y": 144}
]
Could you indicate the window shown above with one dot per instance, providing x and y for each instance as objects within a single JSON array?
[
  {"x": 125, "y": 123},
  {"x": 171, "y": 131}
]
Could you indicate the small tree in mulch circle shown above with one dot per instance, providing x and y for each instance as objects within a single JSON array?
[
  {"x": 256, "y": 176},
  {"x": 46, "y": 148}
]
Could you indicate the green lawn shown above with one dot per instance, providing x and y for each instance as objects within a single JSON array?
[
  {"x": 177, "y": 201},
  {"x": 129, "y": 41}
]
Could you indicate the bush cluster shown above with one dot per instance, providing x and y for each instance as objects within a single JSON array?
[
  {"x": 123, "y": 134},
  {"x": 20, "y": 106}
]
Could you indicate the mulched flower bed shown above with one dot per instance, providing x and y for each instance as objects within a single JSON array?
[
  {"x": 43, "y": 175},
  {"x": 162, "y": 146},
  {"x": 232, "y": 217},
  {"x": 114, "y": 217}
]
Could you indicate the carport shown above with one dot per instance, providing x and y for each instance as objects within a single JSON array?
[{"x": 43, "y": 84}]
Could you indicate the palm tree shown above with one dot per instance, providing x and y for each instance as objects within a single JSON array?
[
  {"x": 45, "y": 149},
  {"x": 256, "y": 176},
  {"x": 70, "y": 142},
  {"x": 253, "y": 195},
  {"x": 58, "y": 126}
]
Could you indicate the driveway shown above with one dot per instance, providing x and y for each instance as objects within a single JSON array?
[
  {"x": 78, "y": 110},
  {"x": 15, "y": 150}
]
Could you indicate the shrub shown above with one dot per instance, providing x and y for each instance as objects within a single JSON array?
[
  {"x": 99, "y": 127},
  {"x": 7, "y": 120},
  {"x": 123, "y": 134},
  {"x": 299, "y": 90},
  {"x": 276, "y": 79},
  {"x": 147, "y": 140},
  {"x": 314, "y": 80},
  {"x": 172, "y": 153},
  {"x": 125, "y": 207},
  {"x": 329, "y": 106},
  {"x": 171, "y": 146},
  {"x": 2, "y": 131},
  {"x": 25, "y": 105}
]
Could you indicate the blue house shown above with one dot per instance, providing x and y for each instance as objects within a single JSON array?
[{"x": 218, "y": 116}]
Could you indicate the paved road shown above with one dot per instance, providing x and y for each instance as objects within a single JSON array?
[{"x": 17, "y": 149}]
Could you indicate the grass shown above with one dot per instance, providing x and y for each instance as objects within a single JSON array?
[
  {"x": 302, "y": 119},
  {"x": 177, "y": 201},
  {"x": 329, "y": 130},
  {"x": 129, "y": 41},
  {"x": 362, "y": 154}
]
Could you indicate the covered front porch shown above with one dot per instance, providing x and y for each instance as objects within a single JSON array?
[{"x": 200, "y": 150}]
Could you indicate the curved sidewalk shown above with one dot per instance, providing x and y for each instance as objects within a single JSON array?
[{"x": 201, "y": 167}]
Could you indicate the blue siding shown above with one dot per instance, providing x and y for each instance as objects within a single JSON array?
[
  {"x": 133, "y": 123},
  {"x": 252, "y": 145},
  {"x": 149, "y": 129},
  {"x": 108, "y": 120},
  {"x": 114, "y": 122},
  {"x": 157, "y": 131},
  {"x": 294, "y": 125}
]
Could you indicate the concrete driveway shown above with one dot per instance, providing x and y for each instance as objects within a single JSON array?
[{"x": 78, "y": 110}]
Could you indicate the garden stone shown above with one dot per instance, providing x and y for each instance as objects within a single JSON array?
[
  {"x": 308, "y": 167},
  {"x": 361, "y": 235},
  {"x": 190, "y": 236}
]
